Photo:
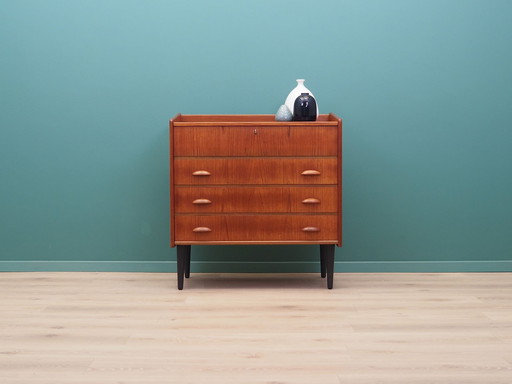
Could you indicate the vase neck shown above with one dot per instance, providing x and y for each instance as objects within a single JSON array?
[{"x": 300, "y": 82}]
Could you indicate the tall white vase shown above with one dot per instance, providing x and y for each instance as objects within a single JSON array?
[{"x": 300, "y": 88}]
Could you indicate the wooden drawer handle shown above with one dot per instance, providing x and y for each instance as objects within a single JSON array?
[
  {"x": 201, "y": 201},
  {"x": 310, "y": 229},
  {"x": 201, "y": 229},
  {"x": 310, "y": 200},
  {"x": 201, "y": 173},
  {"x": 310, "y": 172}
]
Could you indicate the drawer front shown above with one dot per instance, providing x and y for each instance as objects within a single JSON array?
[
  {"x": 214, "y": 171},
  {"x": 256, "y": 141},
  {"x": 194, "y": 229},
  {"x": 224, "y": 199}
]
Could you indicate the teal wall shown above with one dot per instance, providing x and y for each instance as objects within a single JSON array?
[{"x": 87, "y": 88}]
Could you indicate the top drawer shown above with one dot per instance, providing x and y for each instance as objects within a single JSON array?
[{"x": 255, "y": 140}]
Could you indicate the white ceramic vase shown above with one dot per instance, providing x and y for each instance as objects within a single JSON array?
[{"x": 300, "y": 88}]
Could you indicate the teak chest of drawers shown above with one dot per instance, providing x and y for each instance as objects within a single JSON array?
[{"x": 248, "y": 179}]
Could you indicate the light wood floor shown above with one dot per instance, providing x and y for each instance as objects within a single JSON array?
[{"x": 255, "y": 328}]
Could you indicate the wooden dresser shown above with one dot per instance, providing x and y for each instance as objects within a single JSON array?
[{"x": 248, "y": 179}]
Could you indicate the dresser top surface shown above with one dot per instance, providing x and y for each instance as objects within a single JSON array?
[{"x": 189, "y": 120}]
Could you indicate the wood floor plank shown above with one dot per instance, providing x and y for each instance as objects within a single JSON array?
[{"x": 82, "y": 328}]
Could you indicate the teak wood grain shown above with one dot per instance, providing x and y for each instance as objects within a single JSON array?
[
  {"x": 248, "y": 179},
  {"x": 237, "y": 228},
  {"x": 255, "y": 171},
  {"x": 260, "y": 199},
  {"x": 271, "y": 140},
  {"x": 260, "y": 120}
]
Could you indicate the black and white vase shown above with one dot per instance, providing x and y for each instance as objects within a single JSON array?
[
  {"x": 304, "y": 108},
  {"x": 292, "y": 96}
]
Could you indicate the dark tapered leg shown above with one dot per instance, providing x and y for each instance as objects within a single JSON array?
[
  {"x": 181, "y": 258},
  {"x": 327, "y": 253},
  {"x": 322, "y": 262},
  {"x": 187, "y": 261}
]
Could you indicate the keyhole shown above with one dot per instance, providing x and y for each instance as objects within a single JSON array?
[{"x": 255, "y": 131}]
